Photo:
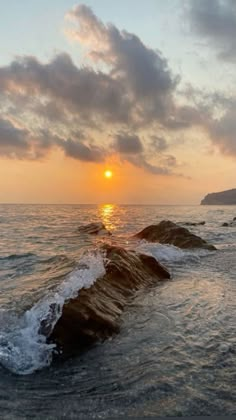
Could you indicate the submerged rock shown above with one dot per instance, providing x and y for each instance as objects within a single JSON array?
[
  {"x": 167, "y": 232},
  {"x": 230, "y": 224},
  {"x": 193, "y": 223},
  {"x": 94, "y": 314},
  {"x": 94, "y": 229}
]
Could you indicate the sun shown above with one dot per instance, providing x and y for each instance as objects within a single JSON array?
[{"x": 108, "y": 174}]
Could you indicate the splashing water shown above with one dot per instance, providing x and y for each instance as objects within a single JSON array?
[{"x": 23, "y": 349}]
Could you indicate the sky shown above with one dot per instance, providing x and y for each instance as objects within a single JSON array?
[{"x": 144, "y": 89}]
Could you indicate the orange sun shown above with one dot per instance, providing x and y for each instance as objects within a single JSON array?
[{"x": 108, "y": 173}]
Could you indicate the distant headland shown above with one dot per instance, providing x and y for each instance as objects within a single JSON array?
[{"x": 220, "y": 198}]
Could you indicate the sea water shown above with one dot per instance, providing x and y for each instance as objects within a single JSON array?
[{"x": 175, "y": 354}]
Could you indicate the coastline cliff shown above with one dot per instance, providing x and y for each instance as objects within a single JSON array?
[{"x": 220, "y": 198}]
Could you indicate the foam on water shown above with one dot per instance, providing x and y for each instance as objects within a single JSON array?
[
  {"x": 171, "y": 253},
  {"x": 23, "y": 349}
]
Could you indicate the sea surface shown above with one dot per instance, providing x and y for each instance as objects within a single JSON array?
[{"x": 176, "y": 352}]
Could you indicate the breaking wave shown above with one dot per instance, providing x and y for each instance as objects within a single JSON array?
[
  {"x": 170, "y": 253},
  {"x": 23, "y": 349}
]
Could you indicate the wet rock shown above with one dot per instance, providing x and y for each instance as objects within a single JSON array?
[
  {"x": 230, "y": 224},
  {"x": 193, "y": 223},
  {"x": 95, "y": 313},
  {"x": 94, "y": 229},
  {"x": 167, "y": 232}
]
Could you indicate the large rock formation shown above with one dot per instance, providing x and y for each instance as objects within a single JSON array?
[
  {"x": 95, "y": 313},
  {"x": 167, "y": 232},
  {"x": 220, "y": 198},
  {"x": 97, "y": 228}
]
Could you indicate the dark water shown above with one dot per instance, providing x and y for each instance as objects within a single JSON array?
[{"x": 176, "y": 351}]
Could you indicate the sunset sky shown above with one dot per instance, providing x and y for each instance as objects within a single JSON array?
[{"x": 143, "y": 89}]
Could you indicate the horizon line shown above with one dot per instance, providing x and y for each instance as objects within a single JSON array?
[{"x": 96, "y": 204}]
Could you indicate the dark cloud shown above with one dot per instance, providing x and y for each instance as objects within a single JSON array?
[
  {"x": 12, "y": 136},
  {"x": 13, "y": 140},
  {"x": 223, "y": 132},
  {"x": 215, "y": 20},
  {"x": 141, "y": 162},
  {"x": 81, "y": 151},
  {"x": 127, "y": 143},
  {"x": 158, "y": 144},
  {"x": 128, "y": 86},
  {"x": 131, "y": 149},
  {"x": 78, "y": 90},
  {"x": 169, "y": 161},
  {"x": 24, "y": 144},
  {"x": 218, "y": 117},
  {"x": 185, "y": 117},
  {"x": 142, "y": 71},
  {"x": 50, "y": 111},
  {"x": 136, "y": 89}
]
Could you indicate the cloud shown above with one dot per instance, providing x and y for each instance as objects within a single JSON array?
[
  {"x": 185, "y": 117},
  {"x": 170, "y": 161},
  {"x": 141, "y": 162},
  {"x": 218, "y": 117},
  {"x": 215, "y": 21},
  {"x": 12, "y": 136},
  {"x": 158, "y": 144},
  {"x": 218, "y": 110},
  {"x": 81, "y": 91},
  {"x": 142, "y": 71},
  {"x": 13, "y": 140},
  {"x": 127, "y": 143},
  {"x": 127, "y": 88},
  {"x": 22, "y": 143},
  {"x": 50, "y": 111},
  {"x": 223, "y": 132},
  {"x": 132, "y": 150},
  {"x": 81, "y": 151}
]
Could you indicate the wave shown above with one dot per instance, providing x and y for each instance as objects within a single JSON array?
[
  {"x": 171, "y": 253},
  {"x": 18, "y": 256},
  {"x": 23, "y": 349}
]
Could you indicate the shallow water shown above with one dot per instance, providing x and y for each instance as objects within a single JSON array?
[{"x": 175, "y": 354}]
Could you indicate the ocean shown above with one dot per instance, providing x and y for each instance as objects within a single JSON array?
[{"x": 175, "y": 353}]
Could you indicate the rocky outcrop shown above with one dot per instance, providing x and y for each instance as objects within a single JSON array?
[
  {"x": 167, "y": 232},
  {"x": 220, "y": 198},
  {"x": 95, "y": 313},
  {"x": 94, "y": 229}
]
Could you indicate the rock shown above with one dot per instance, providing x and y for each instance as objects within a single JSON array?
[
  {"x": 220, "y": 198},
  {"x": 95, "y": 313},
  {"x": 193, "y": 223},
  {"x": 230, "y": 224},
  {"x": 167, "y": 232},
  {"x": 94, "y": 229}
]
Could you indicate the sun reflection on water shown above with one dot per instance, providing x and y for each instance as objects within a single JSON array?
[{"x": 106, "y": 212}]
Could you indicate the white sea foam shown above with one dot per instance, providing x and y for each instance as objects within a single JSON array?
[
  {"x": 170, "y": 253},
  {"x": 22, "y": 348}
]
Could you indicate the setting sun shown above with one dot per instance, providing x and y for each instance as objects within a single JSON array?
[{"x": 108, "y": 174}]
